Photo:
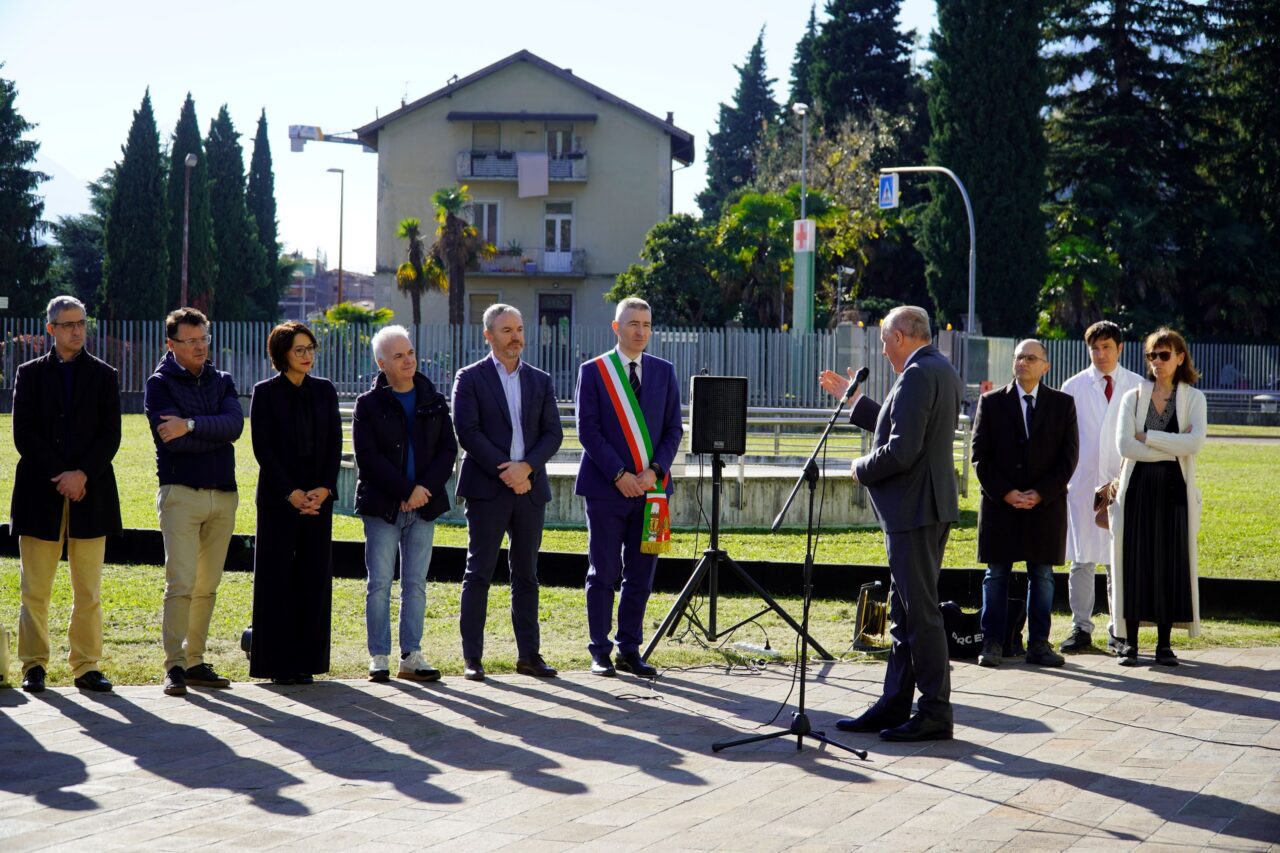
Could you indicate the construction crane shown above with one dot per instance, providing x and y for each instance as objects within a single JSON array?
[{"x": 301, "y": 134}]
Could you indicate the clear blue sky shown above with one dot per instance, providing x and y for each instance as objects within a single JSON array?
[{"x": 81, "y": 69}]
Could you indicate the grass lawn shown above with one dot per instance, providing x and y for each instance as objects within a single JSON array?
[
  {"x": 132, "y": 654},
  {"x": 1240, "y": 483}
]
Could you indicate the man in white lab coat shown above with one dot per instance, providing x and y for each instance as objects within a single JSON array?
[{"x": 1097, "y": 391}]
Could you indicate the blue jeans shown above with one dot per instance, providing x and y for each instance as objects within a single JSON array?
[
  {"x": 412, "y": 538},
  {"x": 995, "y": 601}
]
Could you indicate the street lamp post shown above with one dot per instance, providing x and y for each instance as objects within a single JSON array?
[
  {"x": 188, "y": 164},
  {"x": 973, "y": 241},
  {"x": 342, "y": 192},
  {"x": 802, "y": 110}
]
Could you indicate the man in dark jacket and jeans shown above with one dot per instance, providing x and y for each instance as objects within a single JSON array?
[
  {"x": 195, "y": 419},
  {"x": 405, "y": 451},
  {"x": 66, "y": 428}
]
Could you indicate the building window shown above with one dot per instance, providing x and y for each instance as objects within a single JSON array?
[
  {"x": 484, "y": 216},
  {"x": 476, "y": 305},
  {"x": 486, "y": 136},
  {"x": 559, "y": 139}
]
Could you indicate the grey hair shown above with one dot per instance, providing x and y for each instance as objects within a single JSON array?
[
  {"x": 496, "y": 310},
  {"x": 631, "y": 303},
  {"x": 386, "y": 334},
  {"x": 911, "y": 321},
  {"x": 58, "y": 304}
]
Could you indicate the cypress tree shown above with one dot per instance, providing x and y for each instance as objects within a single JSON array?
[
  {"x": 261, "y": 200},
  {"x": 135, "y": 267},
  {"x": 1122, "y": 158},
  {"x": 24, "y": 262},
  {"x": 802, "y": 66},
  {"x": 861, "y": 60},
  {"x": 241, "y": 267},
  {"x": 731, "y": 149},
  {"x": 202, "y": 262},
  {"x": 986, "y": 89}
]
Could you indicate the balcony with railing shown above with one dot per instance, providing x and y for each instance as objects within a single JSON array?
[
  {"x": 535, "y": 262},
  {"x": 501, "y": 166}
]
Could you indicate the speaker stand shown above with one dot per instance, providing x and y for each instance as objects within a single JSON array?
[{"x": 713, "y": 559}]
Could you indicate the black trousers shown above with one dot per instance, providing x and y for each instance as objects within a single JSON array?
[
  {"x": 918, "y": 657},
  {"x": 488, "y": 520}
]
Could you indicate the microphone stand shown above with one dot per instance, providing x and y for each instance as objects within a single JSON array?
[{"x": 800, "y": 725}]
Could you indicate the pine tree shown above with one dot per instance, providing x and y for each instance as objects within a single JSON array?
[
  {"x": 261, "y": 200},
  {"x": 135, "y": 255},
  {"x": 802, "y": 66},
  {"x": 241, "y": 264},
  {"x": 24, "y": 262},
  {"x": 730, "y": 150},
  {"x": 1122, "y": 157},
  {"x": 202, "y": 261},
  {"x": 861, "y": 60},
  {"x": 986, "y": 88}
]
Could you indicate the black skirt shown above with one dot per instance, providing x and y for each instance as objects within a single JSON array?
[{"x": 1157, "y": 556}]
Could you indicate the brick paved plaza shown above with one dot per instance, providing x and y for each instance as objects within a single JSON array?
[{"x": 1090, "y": 756}]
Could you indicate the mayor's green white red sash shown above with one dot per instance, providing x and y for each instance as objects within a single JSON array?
[{"x": 657, "y": 515}]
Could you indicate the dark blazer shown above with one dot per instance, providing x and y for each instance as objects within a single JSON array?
[
  {"x": 50, "y": 439},
  {"x": 910, "y": 471},
  {"x": 604, "y": 446},
  {"x": 380, "y": 434},
  {"x": 271, "y": 425},
  {"x": 1004, "y": 460},
  {"x": 483, "y": 423}
]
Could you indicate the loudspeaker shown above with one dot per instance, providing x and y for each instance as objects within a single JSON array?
[{"x": 719, "y": 414}]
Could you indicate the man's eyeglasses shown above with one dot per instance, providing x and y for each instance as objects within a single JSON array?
[
  {"x": 1030, "y": 359},
  {"x": 1162, "y": 355},
  {"x": 71, "y": 325},
  {"x": 302, "y": 352},
  {"x": 203, "y": 339}
]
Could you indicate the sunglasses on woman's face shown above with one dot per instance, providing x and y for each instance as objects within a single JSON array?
[{"x": 1162, "y": 355}]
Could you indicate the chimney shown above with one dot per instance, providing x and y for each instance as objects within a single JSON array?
[{"x": 671, "y": 117}]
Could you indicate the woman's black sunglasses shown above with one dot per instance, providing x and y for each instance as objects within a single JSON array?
[{"x": 1162, "y": 355}]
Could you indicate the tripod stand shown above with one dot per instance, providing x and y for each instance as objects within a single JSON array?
[
  {"x": 709, "y": 567},
  {"x": 800, "y": 725}
]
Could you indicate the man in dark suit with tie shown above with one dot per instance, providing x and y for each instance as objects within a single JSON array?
[
  {"x": 628, "y": 418},
  {"x": 1025, "y": 447},
  {"x": 504, "y": 411},
  {"x": 910, "y": 476}
]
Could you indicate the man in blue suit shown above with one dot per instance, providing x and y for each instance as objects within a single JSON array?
[
  {"x": 628, "y": 419},
  {"x": 504, "y": 411},
  {"x": 910, "y": 476}
]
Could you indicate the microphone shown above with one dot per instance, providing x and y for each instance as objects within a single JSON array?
[{"x": 858, "y": 379}]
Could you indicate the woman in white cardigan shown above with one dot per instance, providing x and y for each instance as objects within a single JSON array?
[{"x": 1156, "y": 514}]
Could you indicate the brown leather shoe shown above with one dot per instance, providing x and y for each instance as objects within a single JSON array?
[{"x": 534, "y": 665}]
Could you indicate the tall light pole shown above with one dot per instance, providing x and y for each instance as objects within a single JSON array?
[
  {"x": 802, "y": 110},
  {"x": 342, "y": 193},
  {"x": 189, "y": 164}
]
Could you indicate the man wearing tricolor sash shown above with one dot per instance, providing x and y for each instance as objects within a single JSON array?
[{"x": 628, "y": 419}]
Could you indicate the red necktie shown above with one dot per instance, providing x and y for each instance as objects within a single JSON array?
[{"x": 1108, "y": 388}]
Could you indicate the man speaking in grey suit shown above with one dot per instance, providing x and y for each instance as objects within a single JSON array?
[{"x": 910, "y": 475}]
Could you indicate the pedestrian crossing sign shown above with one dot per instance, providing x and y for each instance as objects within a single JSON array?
[{"x": 888, "y": 191}]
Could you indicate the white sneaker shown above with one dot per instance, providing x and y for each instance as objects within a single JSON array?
[
  {"x": 414, "y": 667},
  {"x": 379, "y": 668}
]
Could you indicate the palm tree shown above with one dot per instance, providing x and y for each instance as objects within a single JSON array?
[
  {"x": 453, "y": 246},
  {"x": 420, "y": 272}
]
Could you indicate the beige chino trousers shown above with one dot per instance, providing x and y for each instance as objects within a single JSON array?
[
  {"x": 39, "y": 566},
  {"x": 197, "y": 526}
]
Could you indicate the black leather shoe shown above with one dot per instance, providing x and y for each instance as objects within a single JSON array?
[
  {"x": 601, "y": 665},
  {"x": 534, "y": 665},
  {"x": 919, "y": 727},
  {"x": 1166, "y": 657},
  {"x": 304, "y": 678},
  {"x": 95, "y": 681},
  {"x": 991, "y": 654},
  {"x": 33, "y": 680},
  {"x": 473, "y": 669},
  {"x": 635, "y": 665},
  {"x": 175, "y": 682},
  {"x": 874, "y": 719},
  {"x": 1042, "y": 654},
  {"x": 284, "y": 682},
  {"x": 1127, "y": 655},
  {"x": 1077, "y": 641}
]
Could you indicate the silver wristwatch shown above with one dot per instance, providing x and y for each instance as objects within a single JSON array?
[{"x": 191, "y": 424}]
